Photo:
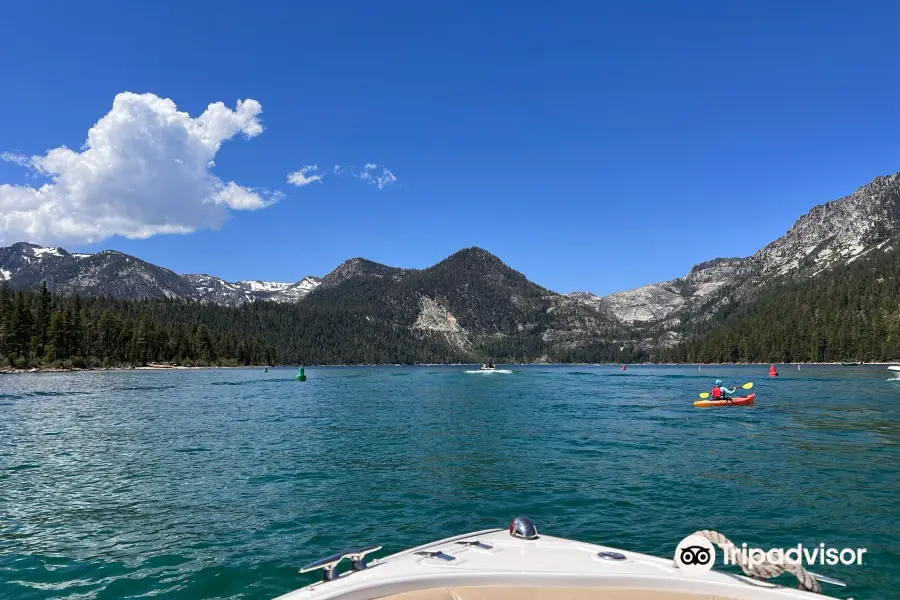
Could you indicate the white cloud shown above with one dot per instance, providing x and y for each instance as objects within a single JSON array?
[
  {"x": 380, "y": 181},
  {"x": 14, "y": 157},
  {"x": 309, "y": 173},
  {"x": 386, "y": 178},
  {"x": 240, "y": 198},
  {"x": 303, "y": 176},
  {"x": 144, "y": 170}
]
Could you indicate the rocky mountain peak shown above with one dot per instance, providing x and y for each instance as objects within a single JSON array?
[
  {"x": 355, "y": 267},
  {"x": 835, "y": 232},
  {"x": 875, "y": 188},
  {"x": 33, "y": 250},
  {"x": 482, "y": 263},
  {"x": 23, "y": 247},
  {"x": 475, "y": 256},
  {"x": 830, "y": 234}
]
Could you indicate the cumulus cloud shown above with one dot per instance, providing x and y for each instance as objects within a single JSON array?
[
  {"x": 144, "y": 170},
  {"x": 304, "y": 176}
]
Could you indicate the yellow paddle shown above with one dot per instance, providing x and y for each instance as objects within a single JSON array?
[{"x": 746, "y": 386}]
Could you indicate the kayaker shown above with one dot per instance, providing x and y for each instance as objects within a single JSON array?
[{"x": 719, "y": 392}]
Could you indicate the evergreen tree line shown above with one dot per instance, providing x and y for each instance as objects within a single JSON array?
[
  {"x": 40, "y": 329},
  {"x": 355, "y": 326},
  {"x": 847, "y": 314},
  {"x": 851, "y": 313}
]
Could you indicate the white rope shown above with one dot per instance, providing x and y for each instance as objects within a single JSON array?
[{"x": 765, "y": 569}]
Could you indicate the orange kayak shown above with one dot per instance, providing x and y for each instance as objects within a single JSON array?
[{"x": 742, "y": 401}]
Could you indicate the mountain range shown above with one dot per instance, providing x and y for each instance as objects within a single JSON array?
[
  {"x": 123, "y": 277},
  {"x": 471, "y": 298}
]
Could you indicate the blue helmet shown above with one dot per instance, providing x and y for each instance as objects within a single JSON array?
[{"x": 718, "y": 382}]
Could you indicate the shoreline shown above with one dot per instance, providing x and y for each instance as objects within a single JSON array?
[
  {"x": 168, "y": 367},
  {"x": 147, "y": 367}
]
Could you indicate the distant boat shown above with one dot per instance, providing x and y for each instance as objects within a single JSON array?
[
  {"x": 851, "y": 364},
  {"x": 488, "y": 367}
]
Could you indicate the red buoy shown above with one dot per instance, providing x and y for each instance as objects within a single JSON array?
[{"x": 772, "y": 371}]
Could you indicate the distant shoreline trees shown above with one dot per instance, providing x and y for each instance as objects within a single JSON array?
[
  {"x": 44, "y": 330},
  {"x": 851, "y": 313},
  {"x": 848, "y": 314}
]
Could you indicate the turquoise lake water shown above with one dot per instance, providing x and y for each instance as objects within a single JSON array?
[{"x": 221, "y": 483}]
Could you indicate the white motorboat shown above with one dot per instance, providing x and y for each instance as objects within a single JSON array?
[
  {"x": 894, "y": 368},
  {"x": 501, "y": 564},
  {"x": 489, "y": 367}
]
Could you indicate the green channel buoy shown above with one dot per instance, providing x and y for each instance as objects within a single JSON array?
[{"x": 300, "y": 375}]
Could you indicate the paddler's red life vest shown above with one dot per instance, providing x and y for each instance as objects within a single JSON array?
[{"x": 717, "y": 393}]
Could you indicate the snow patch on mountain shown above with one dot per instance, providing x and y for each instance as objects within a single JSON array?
[
  {"x": 39, "y": 252},
  {"x": 219, "y": 291},
  {"x": 308, "y": 283},
  {"x": 264, "y": 286}
]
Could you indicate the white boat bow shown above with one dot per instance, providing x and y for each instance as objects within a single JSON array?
[{"x": 495, "y": 565}]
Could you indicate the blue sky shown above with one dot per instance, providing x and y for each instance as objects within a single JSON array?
[{"x": 592, "y": 146}]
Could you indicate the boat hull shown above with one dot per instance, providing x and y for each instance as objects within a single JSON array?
[
  {"x": 740, "y": 401},
  {"x": 544, "y": 568}
]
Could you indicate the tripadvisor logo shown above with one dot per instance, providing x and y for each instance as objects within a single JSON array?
[{"x": 695, "y": 554}]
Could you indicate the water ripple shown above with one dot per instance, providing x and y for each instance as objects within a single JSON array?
[{"x": 220, "y": 483}]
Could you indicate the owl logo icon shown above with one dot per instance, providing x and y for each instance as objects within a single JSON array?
[{"x": 695, "y": 554}]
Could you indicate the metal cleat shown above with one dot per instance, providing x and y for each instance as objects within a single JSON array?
[{"x": 329, "y": 564}]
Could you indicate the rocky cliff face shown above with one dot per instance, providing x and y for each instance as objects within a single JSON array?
[
  {"x": 831, "y": 234},
  {"x": 836, "y": 232}
]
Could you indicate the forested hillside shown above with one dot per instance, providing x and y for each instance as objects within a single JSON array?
[
  {"x": 470, "y": 307},
  {"x": 368, "y": 317},
  {"x": 40, "y": 329},
  {"x": 849, "y": 313}
]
